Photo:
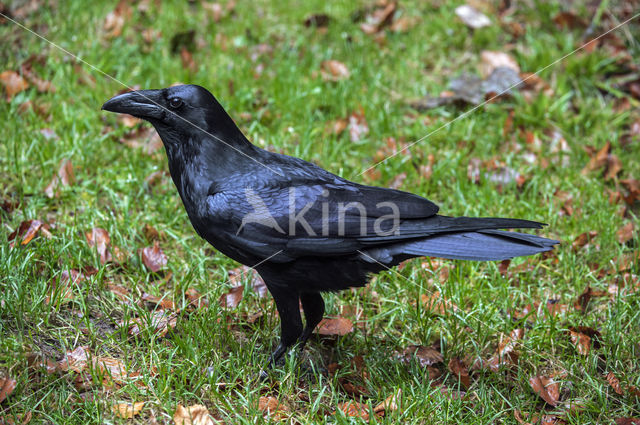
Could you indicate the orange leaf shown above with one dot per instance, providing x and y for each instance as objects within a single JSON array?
[
  {"x": 338, "y": 326},
  {"x": 13, "y": 83},
  {"x": 127, "y": 410},
  {"x": 546, "y": 388}
]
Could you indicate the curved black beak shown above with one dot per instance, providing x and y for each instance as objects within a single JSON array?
[{"x": 143, "y": 104}]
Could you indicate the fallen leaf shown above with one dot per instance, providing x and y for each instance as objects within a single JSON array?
[
  {"x": 458, "y": 368},
  {"x": 115, "y": 20},
  {"x": 426, "y": 356},
  {"x": 380, "y": 17},
  {"x": 627, "y": 421},
  {"x": 127, "y": 410},
  {"x": 354, "y": 409},
  {"x": 27, "y": 231},
  {"x": 43, "y": 86},
  {"x": 633, "y": 187},
  {"x": 625, "y": 233},
  {"x": 196, "y": 300},
  {"x": 333, "y": 70},
  {"x": 491, "y": 60},
  {"x": 271, "y": 406},
  {"x": 13, "y": 83},
  {"x": 153, "y": 258},
  {"x": 337, "y": 326},
  {"x": 397, "y": 181},
  {"x": 64, "y": 177},
  {"x": 161, "y": 322},
  {"x": 76, "y": 360},
  {"x": 114, "y": 372},
  {"x": 581, "y": 341},
  {"x": 472, "y": 17},
  {"x": 569, "y": 20},
  {"x": 389, "y": 404},
  {"x": 318, "y": 20},
  {"x": 7, "y": 385},
  {"x": 582, "y": 302},
  {"x": 583, "y": 239},
  {"x": 546, "y": 388},
  {"x": 506, "y": 354},
  {"x": 99, "y": 238},
  {"x": 196, "y": 414},
  {"x": 187, "y": 60},
  {"x": 161, "y": 302},
  {"x": 614, "y": 382},
  {"x": 232, "y": 298},
  {"x": 358, "y": 126},
  {"x": 403, "y": 24},
  {"x": 143, "y": 137}
]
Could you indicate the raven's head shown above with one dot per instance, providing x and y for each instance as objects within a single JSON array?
[{"x": 177, "y": 107}]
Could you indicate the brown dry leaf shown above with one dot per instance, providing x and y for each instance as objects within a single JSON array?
[
  {"x": 554, "y": 307},
  {"x": 458, "y": 368},
  {"x": 192, "y": 415},
  {"x": 438, "y": 304},
  {"x": 115, "y": 20},
  {"x": 354, "y": 409},
  {"x": 119, "y": 291},
  {"x": 426, "y": 356},
  {"x": 333, "y": 70},
  {"x": 153, "y": 257},
  {"x": 625, "y": 233},
  {"x": 389, "y": 404},
  {"x": 99, "y": 238},
  {"x": 380, "y": 17},
  {"x": 7, "y": 385},
  {"x": 583, "y": 239},
  {"x": 196, "y": 300},
  {"x": 127, "y": 120},
  {"x": 472, "y": 17},
  {"x": 614, "y": 166},
  {"x": 187, "y": 60},
  {"x": 403, "y": 24},
  {"x": 581, "y": 341},
  {"x": 232, "y": 298},
  {"x": 43, "y": 86},
  {"x": 569, "y": 20},
  {"x": 614, "y": 382},
  {"x": 633, "y": 187},
  {"x": 13, "y": 83},
  {"x": 114, "y": 372},
  {"x": 318, "y": 20},
  {"x": 582, "y": 303},
  {"x": 546, "y": 388},
  {"x": 76, "y": 360},
  {"x": 64, "y": 177},
  {"x": 358, "y": 127},
  {"x": 160, "y": 302},
  {"x": 397, "y": 181},
  {"x": 127, "y": 410},
  {"x": 492, "y": 60},
  {"x": 271, "y": 406},
  {"x": 627, "y": 421},
  {"x": 142, "y": 137},
  {"x": 506, "y": 354},
  {"x": 338, "y": 326},
  {"x": 27, "y": 231}
]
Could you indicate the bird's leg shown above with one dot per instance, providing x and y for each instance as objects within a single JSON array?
[
  {"x": 290, "y": 321},
  {"x": 313, "y": 306}
]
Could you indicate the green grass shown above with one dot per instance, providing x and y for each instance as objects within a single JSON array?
[{"x": 290, "y": 107}]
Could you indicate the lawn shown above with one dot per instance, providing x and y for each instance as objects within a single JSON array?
[{"x": 109, "y": 298}]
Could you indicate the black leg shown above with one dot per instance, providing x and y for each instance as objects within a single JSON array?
[
  {"x": 287, "y": 302},
  {"x": 313, "y": 306}
]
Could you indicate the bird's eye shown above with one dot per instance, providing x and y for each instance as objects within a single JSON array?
[{"x": 175, "y": 102}]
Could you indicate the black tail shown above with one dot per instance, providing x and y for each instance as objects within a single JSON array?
[{"x": 466, "y": 238}]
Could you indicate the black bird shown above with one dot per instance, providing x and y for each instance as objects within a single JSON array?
[{"x": 305, "y": 230}]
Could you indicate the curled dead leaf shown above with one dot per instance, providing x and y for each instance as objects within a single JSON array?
[
  {"x": 506, "y": 354},
  {"x": 153, "y": 257},
  {"x": 232, "y": 298},
  {"x": 99, "y": 238},
  {"x": 389, "y": 404},
  {"x": 28, "y": 230},
  {"x": 546, "y": 388},
  {"x": 127, "y": 410},
  {"x": 625, "y": 233},
  {"x": 436, "y": 303},
  {"x": 63, "y": 177},
  {"x": 7, "y": 385},
  {"x": 13, "y": 83},
  {"x": 354, "y": 409},
  {"x": 459, "y": 369},
  {"x": 333, "y": 70},
  {"x": 336, "y": 326},
  {"x": 196, "y": 414},
  {"x": 614, "y": 382},
  {"x": 426, "y": 356}
]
